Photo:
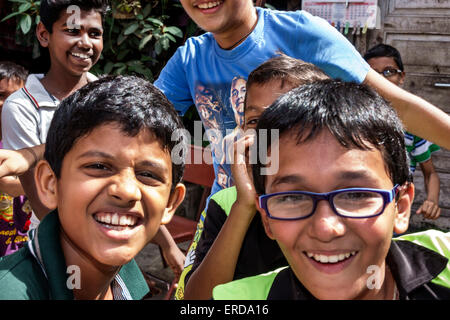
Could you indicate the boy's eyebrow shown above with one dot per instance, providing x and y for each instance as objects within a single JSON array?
[
  {"x": 355, "y": 175},
  {"x": 350, "y": 175},
  {"x": 287, "y": 179},
  {"x": 81, "y": 27},
  {"x": 101, "y": 154},
  {"x": 250, "y": 108},
  {"x": 95, "y": 153}
]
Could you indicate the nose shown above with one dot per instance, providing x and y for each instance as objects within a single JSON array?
[
  {"x": 85, "y": 41},
  {"x": 124, "y": 188},
  {"x": 325, "y": 225}
]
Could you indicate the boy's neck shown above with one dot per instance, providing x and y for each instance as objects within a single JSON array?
[
  {"x": 95, "y": 278},
  {"x": 387, "y": 290},
  {"x": 231, "y": 38},
  {"x": 62, "y": 85}
]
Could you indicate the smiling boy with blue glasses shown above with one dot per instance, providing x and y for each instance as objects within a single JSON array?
[{"x": 341, "y": 143}]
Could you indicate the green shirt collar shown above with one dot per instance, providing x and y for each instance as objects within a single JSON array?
[{"x": 48, "y": 249}]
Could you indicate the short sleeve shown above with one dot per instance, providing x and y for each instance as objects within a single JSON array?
[
  {"x": 173, "y": 82},
  {"x": 328, "y": 49},
  {"x": 20, "y": 126}
]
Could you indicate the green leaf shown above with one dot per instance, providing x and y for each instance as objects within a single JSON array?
[
  {"x": 175, "y": 31},
  {"x": 10, "y": 16},
  {"x": 145, "y": 30},
  {"x": 122, "y": 54},
  {"x": 155, "y": 21},
  {"x": 158, "y": 48},
  {"x": 165, "y": 43},
  {"x": 120, "y": 70},
  {"x": 144, "y": 41},
  {"x": 170, "y": 37},
  {"x": 121, "y": 38},
  {"x": 145, "y": 58},
  {"x": 24, "y": 7},
  {"x": 108, "y": 67},
  {"x": 131, "y": 28},
  {"x": 25, "y": 23},
  {"x": 147, "y": 9}
]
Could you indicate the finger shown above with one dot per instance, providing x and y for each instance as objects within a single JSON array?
[
  {"x": 5, "y": 170},
  {"x": 239, "y": 157},
  {"x": 242, "y": 145},
  {"x": 435, "y": 212},
  {"x": 420, "y": 210},
  {"x": 438, "y": 213}
]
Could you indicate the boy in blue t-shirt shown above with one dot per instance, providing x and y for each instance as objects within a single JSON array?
[
  {"x": 239, "y": 38},
  {"x": 230, "y": 242},
  {"x": 387, "y": 61}
]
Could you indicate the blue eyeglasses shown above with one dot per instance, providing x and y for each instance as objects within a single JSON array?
[{"x": 348, "y": 203}]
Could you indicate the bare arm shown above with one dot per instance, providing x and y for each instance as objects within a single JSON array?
[
  {"x": 430, "y": 207},
  {"x": 21, "y": 163},
  {"x": 11, "y": 186},
  {"x": 419, "y": 116},
  {"x": 219, "y": 264},
  {"x": 17, "y": 162},
  {"x": 171, "y": 252}
]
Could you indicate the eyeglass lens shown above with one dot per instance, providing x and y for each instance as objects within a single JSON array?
[
  {"x": 389, "y": 72},
  {"x": 348, "y": 204}
]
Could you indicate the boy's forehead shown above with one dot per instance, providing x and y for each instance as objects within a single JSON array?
[
  {"x": 263, "y": 95},
  {"x": 114, "y": 127},
  {"x": 73, "y": 14},
  {"x": 383, "y": 62},
  {"x": 323, "y": 159}
]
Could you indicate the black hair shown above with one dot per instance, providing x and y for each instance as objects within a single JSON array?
[
  {"x": 51, "y": 10},
  {"x": 287, "y": 70},
  {"x": 385, "y": 50},
  {"x": 12, "y": 71},
  {"x": 355, "y": 114},
  {"x": 131, "y": 102}
]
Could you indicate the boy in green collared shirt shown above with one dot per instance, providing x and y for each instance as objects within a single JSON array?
[{"x": 109, "y": 177}]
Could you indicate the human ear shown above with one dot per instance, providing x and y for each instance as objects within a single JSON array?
[
  {"x": 403, "y": 208},
  {"x": 175, "y": 199},
  {"x": 265, "y": 220},
  {"x": 46, "y": 184},
  {"x": 42, "y": 34}
]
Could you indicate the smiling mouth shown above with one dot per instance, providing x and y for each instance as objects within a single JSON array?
[
  {"x": 209, "y": 5},
  {"x": 116, "y": 221},
  {"x": 80, "y": 55},
  {"x": 330, "y": 259}
]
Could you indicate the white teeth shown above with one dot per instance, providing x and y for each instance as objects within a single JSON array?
[
  {"x": 209, "y": 4},
  {"x": 331, "y": 258},
  {"x": 80, "y": 55},
  {"x": 115, "y": 219}
]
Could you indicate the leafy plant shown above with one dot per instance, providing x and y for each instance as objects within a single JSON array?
[{"x": 136, "y": 36}]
